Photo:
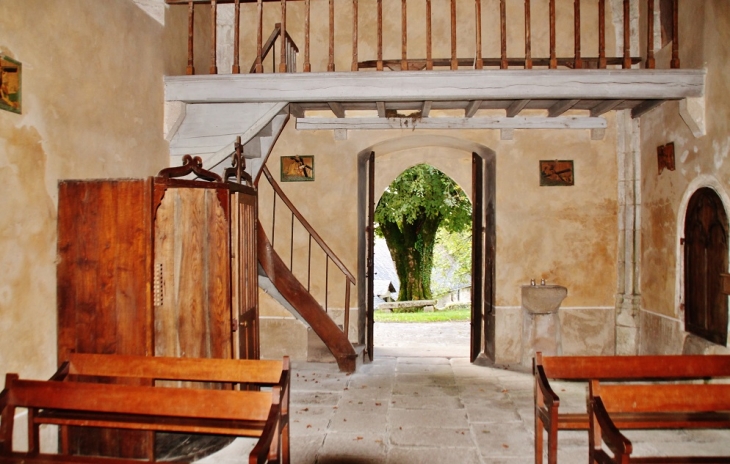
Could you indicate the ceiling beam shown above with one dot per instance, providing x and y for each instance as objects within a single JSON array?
[
  {"x": 337, "y": 108},
  {"x": 296, "y": 110},
  {"x": 561, "y": 107},
  {"x": 604, "y": 107},
  {"x": 471, "y": 108},
  {"x": 515, "y": 107},
  {"x": 645, "y": 107},
  {"x": 451, "y": 123},
  {"x": 381, "y": 109},
  {"x": 425, "y": 108}
]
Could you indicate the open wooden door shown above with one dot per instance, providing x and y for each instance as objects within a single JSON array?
[
  {"x": 244, "y": 269},
  {"x": 370, "y": 237},
  {"x": 477, "y": 256}
]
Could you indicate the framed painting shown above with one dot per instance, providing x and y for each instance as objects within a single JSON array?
[
  {"x": 556, "y": 173},
  {"x": 10, "y": 92},
  {"x": 297, "y": 168}
]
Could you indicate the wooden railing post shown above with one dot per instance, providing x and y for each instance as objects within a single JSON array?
[
  {"x": 528, "y": 37},
  {"x": 503, "y": 34},
  {"x": 404, "y": 37},
  {"x": 553, "y": 56},
  {"x": 355, "y": 65},
  {"x": 478, "y": 59},
  {"x": 191, "y": 26},
  {"x": 236, "y": 69},
  {"x": 577, "y": 61},
  {"x": 429, "y": 42},
  {"x": 454, "y": 59},
  {"x": 331, "y": 62},
  {"x": 627, "y": 34},
  {"x": 650, "y": 61},
  {"x": 601, "y": 34},
  {"x": 675, "y": 35},
  {"x": 380, "y": 36},
  {"x": 307, "y": 65},
  {"x": 259, "y": 36},
  {"x": 284, "y": 55},
  {"x": 213, "y": 20}
]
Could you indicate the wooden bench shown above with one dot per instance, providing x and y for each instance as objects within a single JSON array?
[
  {"x": 615, "y": 368},
  {"x": 222, "y": 412},
  {"x": 651, "y": 407}
]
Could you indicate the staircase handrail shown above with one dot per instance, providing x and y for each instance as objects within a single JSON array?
[
  {"x": 269, "y": 45},
  {"x": 328, "y": 251}
]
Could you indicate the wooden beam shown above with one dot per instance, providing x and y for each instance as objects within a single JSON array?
[
  {"x": 417, "y": 86},
  {"x": 450, "y": 123},
  {"x": 471, "y": 108},
  {"x": 426, "y": 108},
  {"x": 381, "y": 109},
  {"x": 515, "y": 108},
  {"x": 604, "y": 107},
  {"x": 337, "y": 108},
  {"x": 645, "y": 107},
  {"x": 561, "y": 107},
  {"x": 296, "y": 110}
]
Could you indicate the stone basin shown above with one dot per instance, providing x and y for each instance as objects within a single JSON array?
[{"x": 543, "y": 299}]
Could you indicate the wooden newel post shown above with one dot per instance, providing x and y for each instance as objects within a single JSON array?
[
  {"x": 191, "y": 26},
  {"x": 213, "y": 30}
]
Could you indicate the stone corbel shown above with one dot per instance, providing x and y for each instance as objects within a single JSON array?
[{"x": 692, "y": 111}]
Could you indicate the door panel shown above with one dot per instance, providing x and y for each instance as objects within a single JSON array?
[
  {"x": 370, "y": 234},
  {"x": 477, "y": 257}
]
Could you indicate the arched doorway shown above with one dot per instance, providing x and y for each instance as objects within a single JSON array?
[
  {"x": 483, "y": 197},
  {"x": 705, "y": 258}
]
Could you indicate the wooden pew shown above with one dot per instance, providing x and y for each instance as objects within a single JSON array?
[
  {"x": 615, "y": 368},
  {"x": 651, "y": 407},
  {"x": 144, "y": 371}
]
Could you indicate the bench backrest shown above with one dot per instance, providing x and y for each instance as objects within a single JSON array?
[
  {"x": 665, "y": 367},
  {"x": 661, "y": 397},
  {"x": 260, "y": 372}
]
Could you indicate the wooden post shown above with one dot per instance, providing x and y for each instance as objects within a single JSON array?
[
  {"x": 213, "y": 20},
  {"x": 259, "y": 36},
  {"x": 478, "y": 59},
  {"x": 601, "y": 34},
  {"x": 553, "y": 56},
  {"x": 528, "y": 37},
  {"x": 675, "y": 35},
  {"x": 354, "y": 66},
  {"x": 236, "y": 69},
  {"x": 429, "y": 43},
  {"x": 307, "y": 67},
  {"x": 650, "y": 61},
  {"x": 404, "y": 37},
  {"x": 503, "y": 34},
  {"x": 331, "y": 62},
  {"x": 454, "y": 60},
  {"x": 627, "y": 34},
  {"x": 380, "y": 36},
  {"x": 191, "y": 25},
  {"x": 283, "y": 53},
  {"x": 578, "y": 62}
]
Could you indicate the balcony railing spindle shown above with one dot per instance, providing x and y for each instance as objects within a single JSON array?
[
  {"x": 553, "y": 56},
  {"x": 331, "y": 63},
  {"x": 379, "y": 66},
  {"x": 528, "y": 37},
  {"x": 307, "y": 64},
  {"x": 503, "y": 64},
  {"x": 259, "y": 36},
  {"x": 236, "y": 68},
  {"x": 454, "y": 59},
  {"x": 284, "y": 54},
  {"x": 601, "y": 34},
  {"x": 478, "y": 60},
  {"x": 577, "y": 62},
  {"x": 191, "y": 23},
  {"x": 627, "y": 35},
  {"x": 429, "y": 42},
  {"x": 355, "y": 65},
  {"x": 675, "y": 35},
  {"x": 650, "y": 61},
  {"x": 213, "y": 28},
  {"x": 404, "y": 37}
]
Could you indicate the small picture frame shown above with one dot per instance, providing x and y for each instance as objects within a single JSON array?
[
  {"x": 297, "y": 168},
  {"x": 10, "y": 85},
  {"x": 556, "y": 173}
]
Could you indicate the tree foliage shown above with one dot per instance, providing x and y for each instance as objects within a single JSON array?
[{"x": 412, "y": 209}]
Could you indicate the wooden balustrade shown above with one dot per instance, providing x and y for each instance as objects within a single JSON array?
[
  {"x": 313, "y": 238},
  {"x": 359, "y": 12}
]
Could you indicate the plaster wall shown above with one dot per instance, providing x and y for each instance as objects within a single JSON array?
[
  {"x": 700, "y": 161},
  {"x": 92, "y": 106},
  {"x": 566, "y": 235}
]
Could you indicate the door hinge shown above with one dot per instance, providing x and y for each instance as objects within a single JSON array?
[{"x": 234, "y": 325}]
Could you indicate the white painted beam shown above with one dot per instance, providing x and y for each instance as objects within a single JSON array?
[
  {"x": 451, "y": 123},
  {"x": 595, "y": 84}
]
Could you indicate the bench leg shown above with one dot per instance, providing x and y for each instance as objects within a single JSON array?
[{"x": 538, "y": 440}]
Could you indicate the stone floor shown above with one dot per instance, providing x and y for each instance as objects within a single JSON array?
[{"x": 420, "y": 401}]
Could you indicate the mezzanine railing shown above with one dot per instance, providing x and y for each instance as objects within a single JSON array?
[{"x": 371, "y": 11}]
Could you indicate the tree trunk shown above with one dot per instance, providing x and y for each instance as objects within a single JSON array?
[{"x": 412, "y": 253}]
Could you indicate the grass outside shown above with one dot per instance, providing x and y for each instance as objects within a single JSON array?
[{"x": 447, "y": 315}]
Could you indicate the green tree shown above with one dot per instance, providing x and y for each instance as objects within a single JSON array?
[
  {"x": 410, "y": 212},
  {"x": 451, "y": 261}
]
